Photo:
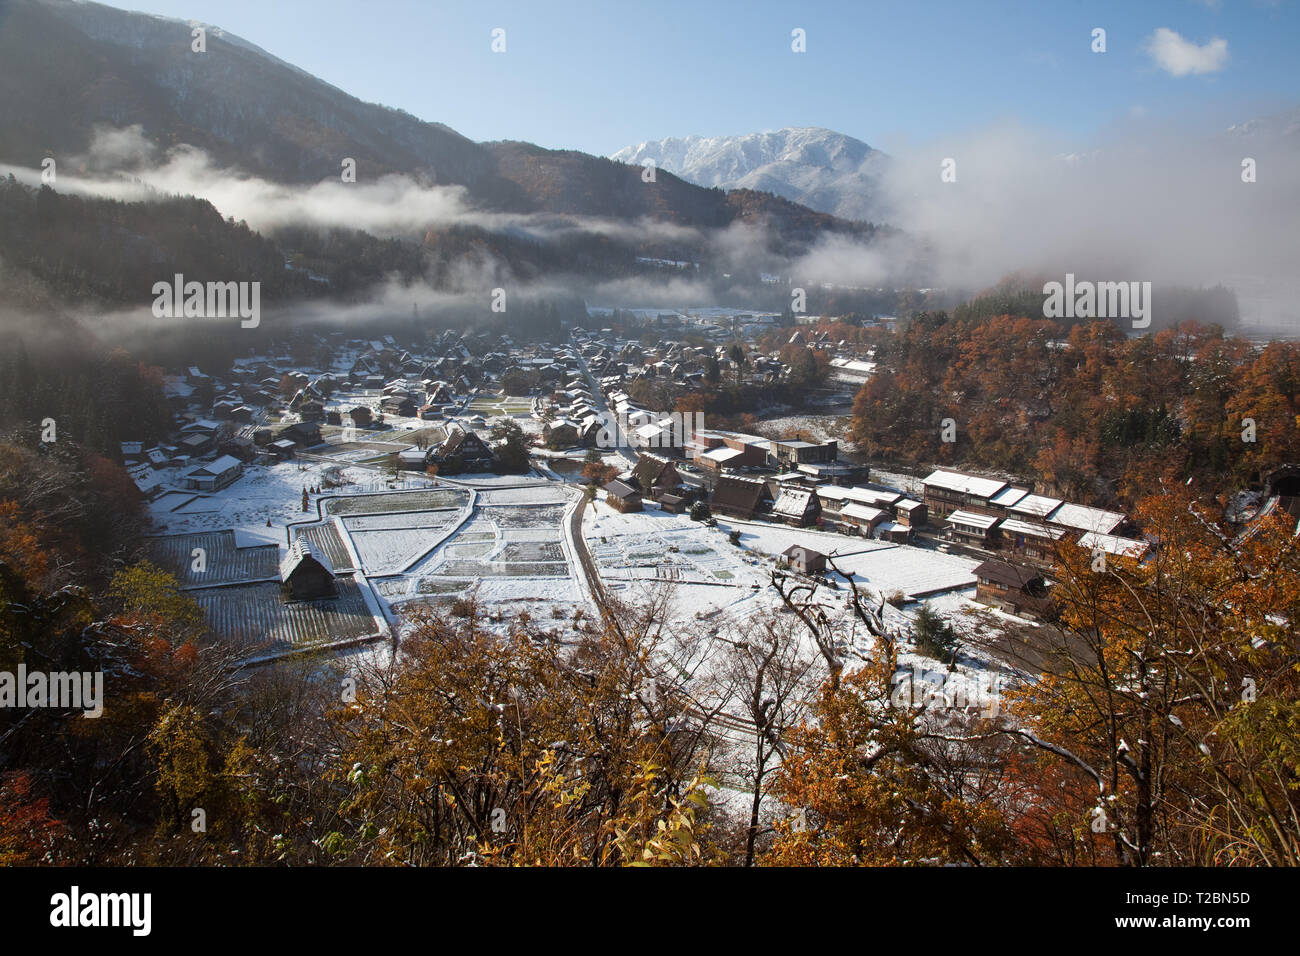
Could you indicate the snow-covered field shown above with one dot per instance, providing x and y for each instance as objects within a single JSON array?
[
  {"x": 265, "y": 493},
  {"x": 504, "y": 540},
  {"x": 818, "y": 428}
]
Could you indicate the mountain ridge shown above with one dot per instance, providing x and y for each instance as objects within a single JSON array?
[
  {"x": 69, "y": 67},
  {"x": 814, "y": 166}
]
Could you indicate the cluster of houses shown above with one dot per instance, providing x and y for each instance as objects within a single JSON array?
[
  {"x": 269, "y": 407},
  {"x": 995, "y": 515},
  {"x": 985, "y": 513},
  {"x": 792, "y": 481},
  {"x": 617, "y": 366}
]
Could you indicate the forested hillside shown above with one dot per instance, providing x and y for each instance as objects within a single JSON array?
[{"x": 1088, "y": 411}]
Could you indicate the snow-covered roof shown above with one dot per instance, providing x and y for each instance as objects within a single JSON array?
[
  {"x": 862, "y": 513},
  {"x": 972, "y": 520},
  {"x": 1008, "y": 496},
  {"x": 792, "y": 502},
  {"x": 862, "y": 496},
  {"x": 1083, "y": 518},
  {"x": 965, "y": 484},
  {"x": 217, "y": 467},
  {"x": 1113, "y": 544},
  {"x": 1036, "y": 506},
  {"x": 145, "y": 478},
  {"x": 201, "y": 425},
  {"x": 1037, "y": 529},
  {"x": 722, "y": 455},
  {"x": 301, "y": 550}
]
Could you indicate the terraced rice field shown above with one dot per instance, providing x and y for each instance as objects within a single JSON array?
[
  {"x": 254, "y": 616},
  {"x": 392, "y": 550},
  {"x": 326, "y": 539},
  {"x": 430, "y": 500},
  {"x": 542, "y": 495},
  {"x": 224, "y": 562},
  {"x": 529, "y": 551},
  {"x": 491, "y": 569},
  {"x": 524, "y": 516},
  {"x": 410, "y": 519}
]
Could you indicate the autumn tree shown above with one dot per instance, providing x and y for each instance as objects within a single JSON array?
[{"x": 1176, "y": 707}]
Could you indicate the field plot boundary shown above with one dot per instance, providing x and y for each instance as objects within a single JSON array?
[
  {"x": 324, "y": 504},
  {"x": 450, "y": 530}
]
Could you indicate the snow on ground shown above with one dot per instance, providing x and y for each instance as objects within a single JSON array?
[
  {"x": 548, "y": 494},
  {"x": 390, "y": 551},
  {"x": 503, "y": 539},
  {"x": 884, "y": 566},
  {"x": 264, "y": 492},
  {"x": 819, "y": 428},
  {"x": 912, "y": 487},
  {"x": 640, "y": 552}
]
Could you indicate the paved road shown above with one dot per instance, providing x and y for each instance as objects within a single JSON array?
[{"x": 585, "y": 561}]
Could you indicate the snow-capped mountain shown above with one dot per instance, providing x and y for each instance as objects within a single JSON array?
[{"x": 819, "y": 168}]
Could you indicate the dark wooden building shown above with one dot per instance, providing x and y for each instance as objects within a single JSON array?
[
  {"x": 463, "y": 450},
  {"x": 738, "y": 497},
  {"x": 804, "y": 560},
  {"x": 622, "y": 497},
  {"x": 1012, "y": 588},
  {"x": 305, "y": 574}
]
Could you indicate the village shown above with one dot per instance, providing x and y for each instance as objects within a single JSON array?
[{"x": 309, "y": 500}]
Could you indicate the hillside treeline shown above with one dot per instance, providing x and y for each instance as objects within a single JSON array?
[{"x": 1089, "y": 412}]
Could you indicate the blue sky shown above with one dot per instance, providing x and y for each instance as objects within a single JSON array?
[{"x": 599, "y": 76}]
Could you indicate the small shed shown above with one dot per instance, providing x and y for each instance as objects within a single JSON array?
[
  {"x": 283, "y": 448},
  {"x": 805, "y": 560},
  {"x": 674, "y": 504}
]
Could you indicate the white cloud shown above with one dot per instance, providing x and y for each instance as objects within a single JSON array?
[{"x": 1180, "y": 57}]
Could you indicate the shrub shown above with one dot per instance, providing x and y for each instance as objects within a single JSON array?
[{"x": 934, "y": 635}]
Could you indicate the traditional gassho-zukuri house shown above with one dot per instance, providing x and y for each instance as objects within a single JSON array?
[
  {"x": 656, "y": 473},
  {"x": 306, "y": 574},
  {"x": 796, "y": 506},
  {"x": 738, "y": 497}
]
